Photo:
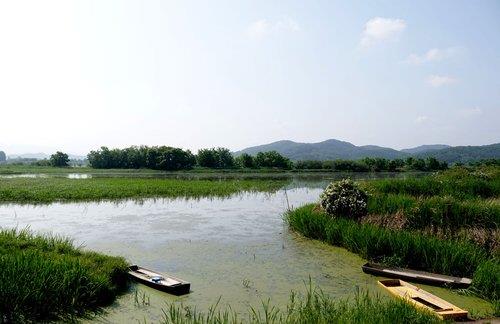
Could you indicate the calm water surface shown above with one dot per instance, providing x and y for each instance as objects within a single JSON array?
[{"x": 236, "y": 248}]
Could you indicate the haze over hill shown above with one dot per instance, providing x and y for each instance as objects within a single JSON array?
[
  {"x": 334, "y": 149},
  {"x": 425, "y": 148}
]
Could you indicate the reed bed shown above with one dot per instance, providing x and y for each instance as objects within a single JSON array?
[
  {"x": 436, "y": 211},
  {"x": 314, "y": 307},
  {"x": 402, "y": 248},
  {"x": 47, "y": 190},
  {"x": 46, "y": 278},
  {"x": 459, "y": 183}
]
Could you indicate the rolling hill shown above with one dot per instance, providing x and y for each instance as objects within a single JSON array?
[
  {"x": 334, "y": 149},
  {"x": 464, "y": 154},
  {"x": 425, "y": 148},
  {"x": 327, "y": 150}
]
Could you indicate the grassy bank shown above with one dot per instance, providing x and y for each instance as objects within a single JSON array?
[
  {"x": 460, "y": 183},
  {"x": 437, "y": 211},
  {"x": 46, "y": 190},
  {"x": 314, "y": 307},
  {"x": 47, "y": 278},
  {"x": 402, "y": 248}
]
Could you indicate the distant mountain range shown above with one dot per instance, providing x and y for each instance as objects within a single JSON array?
[
  {"x": 334, "y": 149},
  {"x": 425, "y": 148}
]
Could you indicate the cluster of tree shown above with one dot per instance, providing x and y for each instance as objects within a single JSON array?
[
  {"x": 171, "y": 158},
  {"x": 270, "y": 159},
  {"x": 374, "y": 164},
  {"x": 217, "y": 158},
  {"x": 58, "y": 159},
  {"x": 3, "y": 157},
  {"x": 134, "y": 157}
]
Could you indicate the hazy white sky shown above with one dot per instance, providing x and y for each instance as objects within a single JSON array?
[{"x": 75, "y": 75}]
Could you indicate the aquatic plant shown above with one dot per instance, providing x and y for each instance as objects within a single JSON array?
[
  {"x": 47, "y": 278},
  {"x": 47, "y": 190},
  {"x": 344, "y": 198},
  {"x": 404, "y": 248},
  {"x": 458, "y": 183},
  {"x": 313, "y": 307},
  {"x": 436, "y": 211}
]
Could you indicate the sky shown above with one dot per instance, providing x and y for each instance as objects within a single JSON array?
[{"x": 77, "y": 75}]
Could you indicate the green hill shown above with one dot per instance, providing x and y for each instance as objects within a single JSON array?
[{"x": 334, "y": 149}]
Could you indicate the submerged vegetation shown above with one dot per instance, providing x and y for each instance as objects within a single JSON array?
[
  {"x": 314, "y": 307},
  {"x": 425, "y": 224},
  {"x": 47, "y": 278},
  {"x": 46, "y": 190}
]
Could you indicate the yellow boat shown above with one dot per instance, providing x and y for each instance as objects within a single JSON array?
[{"x": 421, "y": 298}]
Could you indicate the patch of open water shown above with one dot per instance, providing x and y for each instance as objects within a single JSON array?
[{"x": 236, "y": 248}]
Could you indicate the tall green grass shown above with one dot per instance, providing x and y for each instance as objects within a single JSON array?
[
  {"x": 47, "y": 190},
  {"x": 47, "y": 278},
  {"x": 437, "y": 211},
  {"x": 402, "y": 248},
  {"x": 314, "y": 307},
  {"x": 459, "y": 183}
]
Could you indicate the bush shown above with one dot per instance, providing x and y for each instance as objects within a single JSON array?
[
  {"x": 59, "y": 159},
  {"x": 344, "y": 198}
]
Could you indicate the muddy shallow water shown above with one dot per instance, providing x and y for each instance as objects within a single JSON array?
[{"x": 237, "y": 248}]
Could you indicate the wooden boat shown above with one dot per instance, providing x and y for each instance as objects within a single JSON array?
[
  {"x": 169, "y": 284},
  {"x": 416, "y": 276},
  {"x": 423, "y": 299}
]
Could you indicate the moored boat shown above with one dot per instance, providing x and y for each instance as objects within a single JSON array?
[
  {"x": 416, "y": 276},
  {"x": 423, "y": 299},
  {"x": 169, "y": 284}
]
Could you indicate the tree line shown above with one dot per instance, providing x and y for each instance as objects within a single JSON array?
[
  {"x": 374, "y": 165},
  {"x": 171, "y": 159}
]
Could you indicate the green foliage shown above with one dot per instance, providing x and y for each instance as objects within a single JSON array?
[
  {"x": 41, "y": 163},
  {"x": 314, "y": 307},
  {"x": 220, "y": 158},
  {"x": 272, "y": 159},
  {"x": 403, "y": 248},
  {"x": 374, "y": 165},
  {"x": 46, "y": 190},
  {"x": 156, "y": 157},
  {"x": 344, "y": 198},
  {"x": 444, "y": 212},
  {"x": 464, "y": 154},
  {"x": 460, "y": 183},
  {"x": 245, "y": 161},
  {"x": 47, "y": 278},
  {"x": 59, "y": 159}
]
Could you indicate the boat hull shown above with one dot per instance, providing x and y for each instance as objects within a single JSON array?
[
  {"x": 423, "y": 299},
  {"x": 179, "y": 289},
  {"x": 416, "y": 276}
]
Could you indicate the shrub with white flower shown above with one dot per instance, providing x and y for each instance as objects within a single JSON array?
[{"x": 344, "y": 198}]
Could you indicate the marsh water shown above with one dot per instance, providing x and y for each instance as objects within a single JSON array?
[{"x": 237, "y": 249}]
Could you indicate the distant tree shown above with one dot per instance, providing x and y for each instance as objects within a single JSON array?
[
  {"x": 245, "y": 160},
  {"x": 134, "y": 157},
  {"x": 171, "y": 158},
  {"x": 272, "y": 159},
  {"x": 59, "y": 159},
  {"x": 3, "y": 157},
  {"x": 309, "y": 165},
  {"x": 207, "y": 158},
  {"x": 44, "y": 162},
  {"x": 432, "y": 164},
  {"x": 220, "y": 158}
]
